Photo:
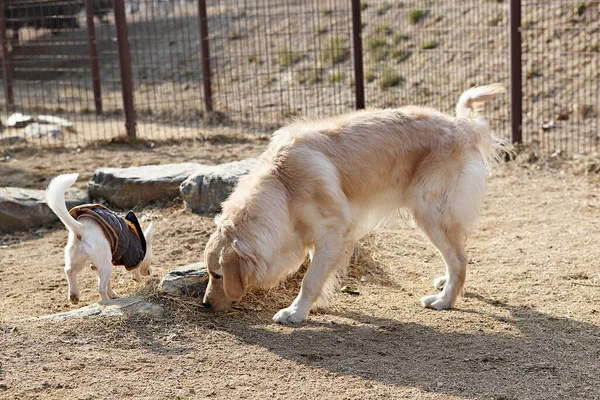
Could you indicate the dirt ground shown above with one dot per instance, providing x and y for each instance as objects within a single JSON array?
[{"x": 528, "y": 326}]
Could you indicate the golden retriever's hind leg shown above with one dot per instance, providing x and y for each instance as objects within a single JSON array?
[
  {"x": 333, "y": 256},
  {"x": 450, "y": 243}
]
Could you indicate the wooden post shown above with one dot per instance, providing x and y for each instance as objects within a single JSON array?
[
  {"x": 89, "y": 8},
  {"x": 359, "y": 83},
  {"x": 125, "y": 67},
  {"x": 516, "y": 81},
  {"x": 205, "y": 55},
  {"x": 6, "y": 72}
]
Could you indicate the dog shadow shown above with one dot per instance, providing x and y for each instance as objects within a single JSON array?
[{"x": 548, "y": 357}]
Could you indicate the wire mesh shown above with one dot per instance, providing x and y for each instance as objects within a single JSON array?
[
  {"x": 271, "y": 60},
  {"x": 428, "y": 53},
  {"x": 561, "y": 55},
  {"x": 51, "y": 72}
]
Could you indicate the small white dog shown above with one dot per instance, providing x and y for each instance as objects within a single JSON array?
[{"x": 100, "y": 237}]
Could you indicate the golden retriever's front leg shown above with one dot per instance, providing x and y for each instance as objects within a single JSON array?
[{"x": 332, "y": 256}]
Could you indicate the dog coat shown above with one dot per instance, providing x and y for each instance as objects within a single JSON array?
[{"x": 125, "y": 235}]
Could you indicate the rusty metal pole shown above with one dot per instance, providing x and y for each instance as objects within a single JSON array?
[
  {"x": 125, "y": 67},
  {"x": 359, "y": 82},
  {"x": 89, "y": 9},
  {"x": 6, "y": 72},
  {"x": 206, "y": 76},
  {"x": 516, "y": 82}
]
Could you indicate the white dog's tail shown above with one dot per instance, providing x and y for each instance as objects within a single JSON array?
[
  {"x": 469, "y": 105},
  {"x": 55, "y": 198}
]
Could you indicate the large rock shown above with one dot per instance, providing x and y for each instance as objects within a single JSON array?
[
  {"x": 204, "y": 191},
  {"x": 24, "y": 208},
  {"x": 189, "y": 280},
  {"x": 130, "y": 306},
  {"x": 127, "y": 187}
]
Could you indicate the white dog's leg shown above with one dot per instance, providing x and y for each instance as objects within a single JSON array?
[
  {"x": 136, "y": 275},
  {"x": 72, "y": 268},
  {"x": 103, "y": 264},
  {"x": 74, "y": 264},
  {"x": 334, "y": 255},
  {"x": 450, "y": 244}
]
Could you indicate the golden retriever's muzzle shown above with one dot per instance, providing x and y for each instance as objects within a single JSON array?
[{"x": 215, "y": 298}]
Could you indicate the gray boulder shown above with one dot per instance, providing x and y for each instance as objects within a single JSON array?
[
  {"x": 127, "y": 187},
  {"x": 204, "y": 191},
  {"x": 189, "y": 280},
  {"x": 23, "y": 208},
  {"x": 130, "y": 306}
]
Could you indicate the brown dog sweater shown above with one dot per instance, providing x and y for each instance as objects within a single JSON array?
[{"x": 125, "y": 235}]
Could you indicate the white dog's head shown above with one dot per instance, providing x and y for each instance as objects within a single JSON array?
[{"x": 145, "y": 264}]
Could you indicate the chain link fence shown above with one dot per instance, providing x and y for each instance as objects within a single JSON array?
[{"x": 77, "y": 72}]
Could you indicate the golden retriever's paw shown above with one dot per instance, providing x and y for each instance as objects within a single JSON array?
[
  {"x": 439, "y": 282},
  {"x": 290, "y": 315},
  {"x": 436, "y": 301}
]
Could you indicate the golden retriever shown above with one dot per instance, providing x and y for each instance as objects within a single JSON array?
[{"x": 321, "y": 185}]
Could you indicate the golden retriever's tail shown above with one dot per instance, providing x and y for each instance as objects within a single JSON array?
[{"x": 469, "y": 105}]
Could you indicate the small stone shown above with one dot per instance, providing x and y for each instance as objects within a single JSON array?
[
  {"x": 189, "y": 280},
  {"x": 36, "y": 130},
  {"x": 340, "y": 339},
  {"x": 52, "y": 120},
  {"x": 12, "y": 140},
  {"x": 18, "y": 120},
  {"x": 549, "y": 125},
  {"x": 349, "y": 290}
]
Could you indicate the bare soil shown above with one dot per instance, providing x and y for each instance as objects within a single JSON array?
[{"x": 528, "y": 326}]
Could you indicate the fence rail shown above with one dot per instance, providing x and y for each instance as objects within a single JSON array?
[{"x": 158, "y": 69}]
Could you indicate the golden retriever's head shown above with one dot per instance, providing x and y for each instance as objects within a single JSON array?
[{"x": 230, "y": 264}]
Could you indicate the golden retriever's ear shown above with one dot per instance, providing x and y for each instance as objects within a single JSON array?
[
  {"x": 237, "y": 269},
  {"x": 235, "y": 278},
  {"x": 212, "y": 250}
]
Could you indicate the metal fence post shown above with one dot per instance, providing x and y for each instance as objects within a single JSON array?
[
  {"x": 125, "y": 67},
  {"x": 516, "y": 84},
  {"x": 205, "y": 55},
  {"x": 359, "y": 83},
  {"x": 6, "y": 73},
  {"x": 89, "y": 9}
]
